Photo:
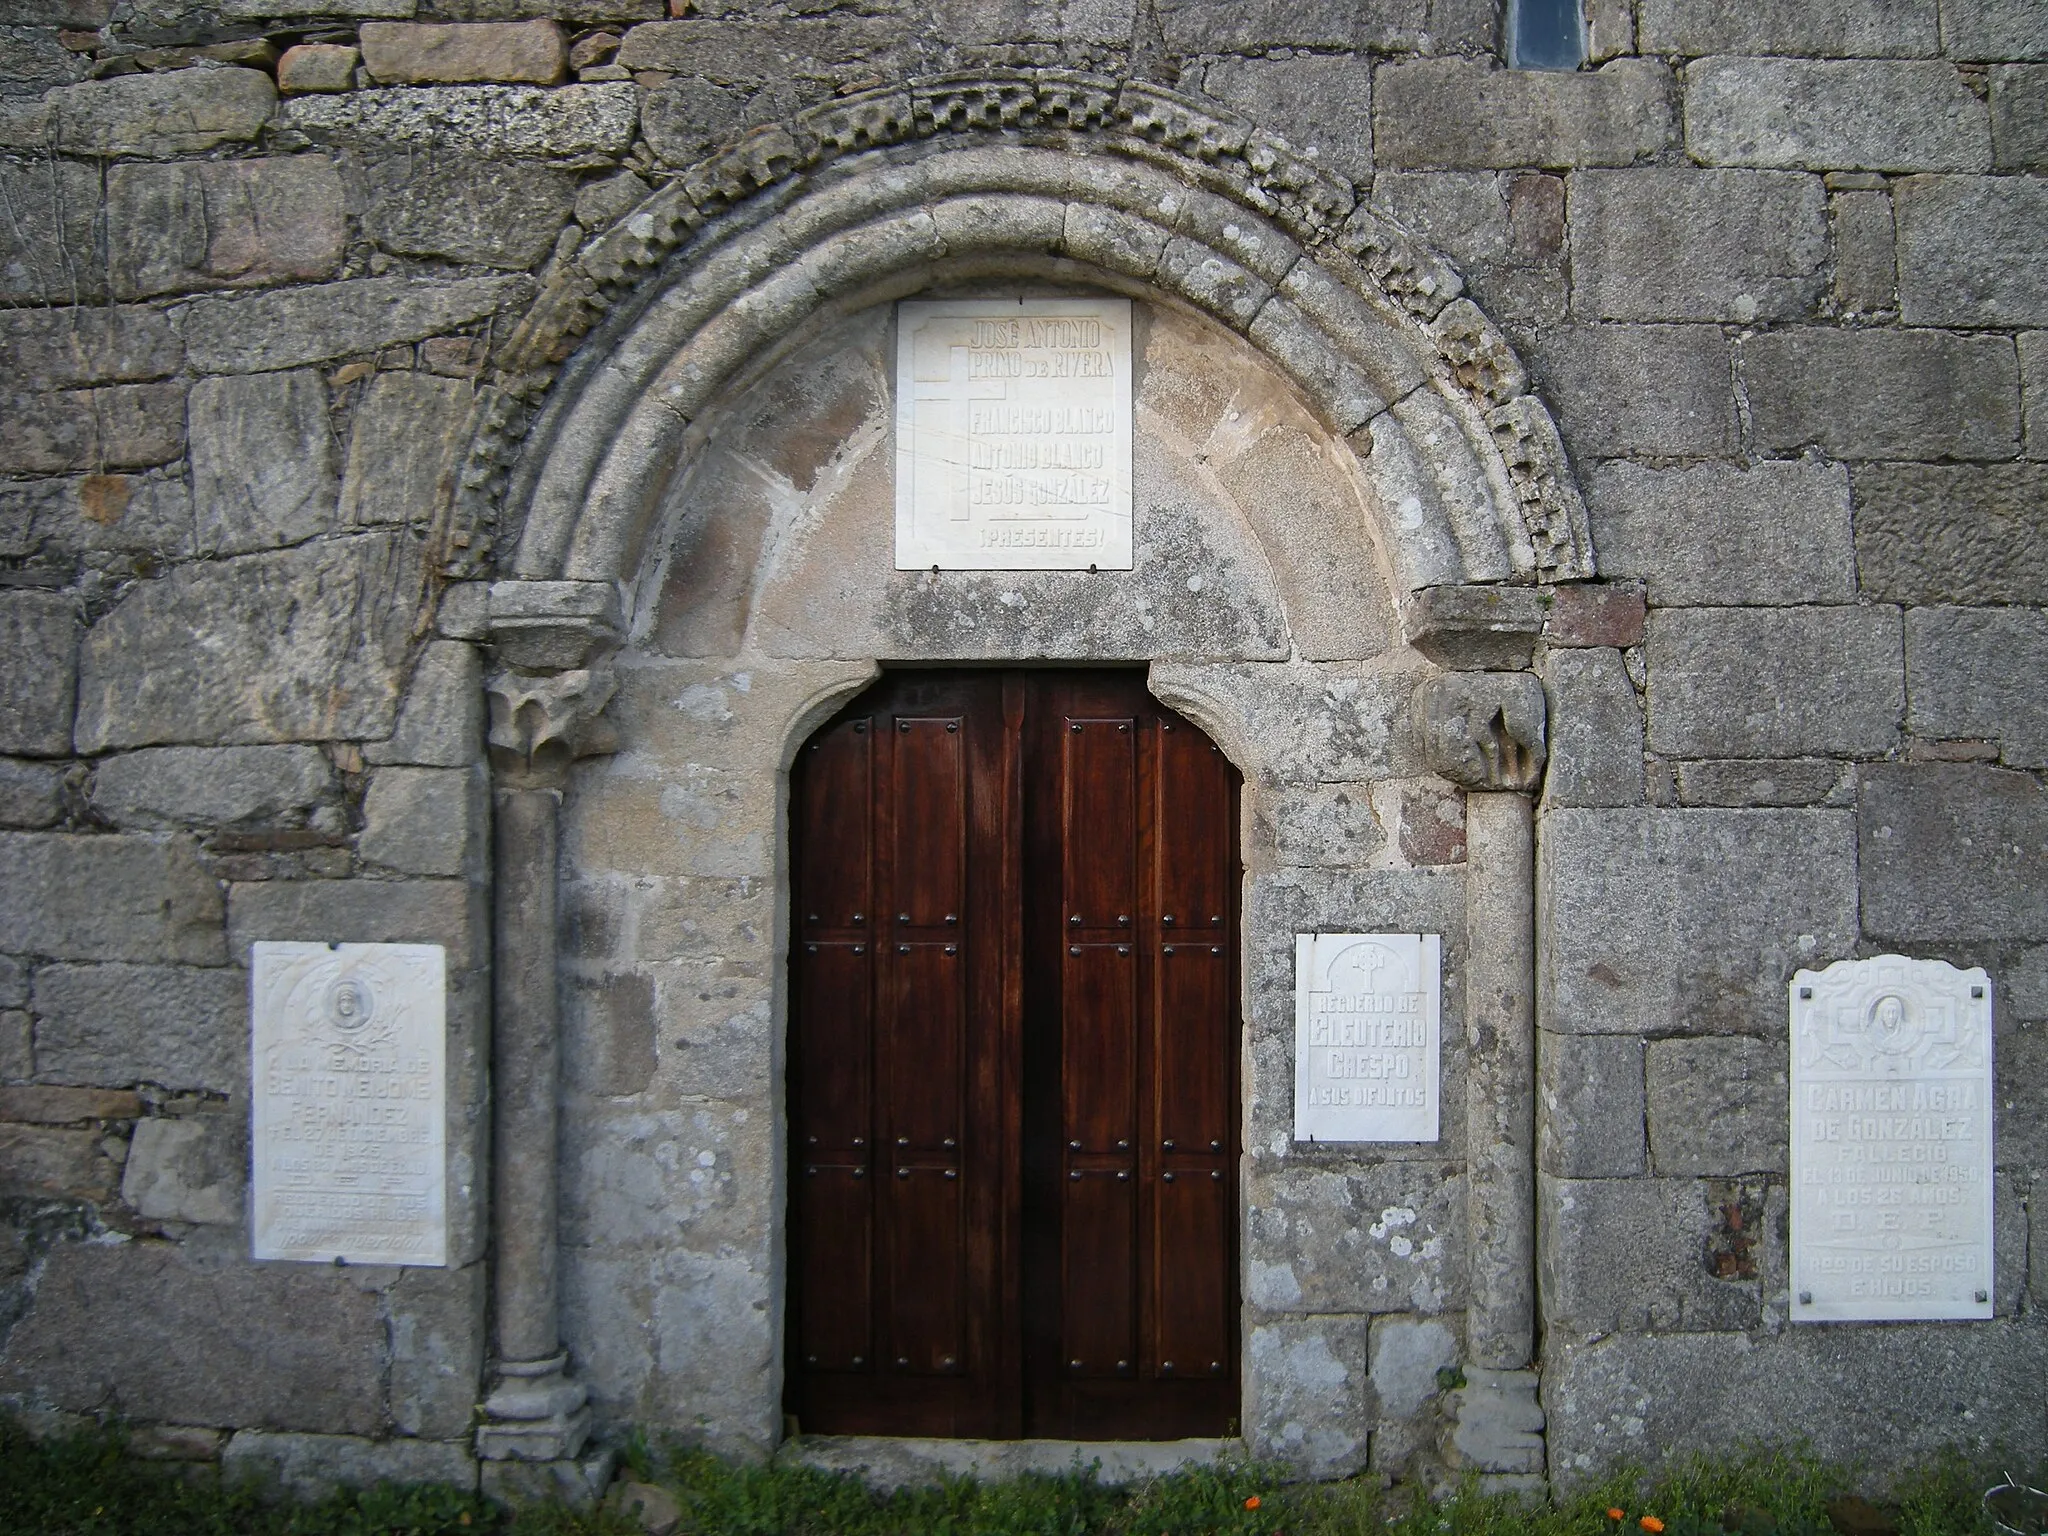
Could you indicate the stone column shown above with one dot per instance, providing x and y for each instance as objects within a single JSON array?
[
  {"x": 1486, "y": 732},
  {"x": 543, "y": 717}
]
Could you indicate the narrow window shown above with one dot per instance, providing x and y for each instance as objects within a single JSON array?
[{"x": 1545, "y": 34}]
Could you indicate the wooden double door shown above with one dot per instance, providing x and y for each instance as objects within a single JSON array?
[{"x": 1014, "y": 1064}]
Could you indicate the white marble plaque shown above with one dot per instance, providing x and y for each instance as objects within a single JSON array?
[
  {"x": 1891, "y": 1142},
  {"x": 349, "y": 1112},
  {"x": 1367, "y": 1036},
  {"x": 1013, "y": 435}
]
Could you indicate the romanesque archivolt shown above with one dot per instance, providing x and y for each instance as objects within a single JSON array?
[{"x": 1070, "y": 175}]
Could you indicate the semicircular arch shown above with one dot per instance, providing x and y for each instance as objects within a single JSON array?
[{"x": 643, "y": 329}]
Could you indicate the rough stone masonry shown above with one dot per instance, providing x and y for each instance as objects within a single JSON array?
[{"x": 424, "y": 421}]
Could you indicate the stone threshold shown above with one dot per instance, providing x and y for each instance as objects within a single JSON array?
[{"x": 887, "y": 1462}]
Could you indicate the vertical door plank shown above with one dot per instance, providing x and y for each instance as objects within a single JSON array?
[
  {"x": 924, "y": 1049},
  {"x": 926, "y": 1270},
  {"x": 1100, "y": 824},
  {"x": 930, "y": 854},
  {"x": 834, "y": 997},
  {"x": 1099, "y": 1266},
  {"x": 833, "y": 827},
  {"x": 1195, "y": 831},
  {"x": 1098, "y": 1072},
  {"x": 1193, "y": 1287},
  {"x": 834, "y": 1232},
  {"x": 1191, "y": 1056}
]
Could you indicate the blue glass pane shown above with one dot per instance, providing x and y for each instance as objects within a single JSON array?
[{"x": 1545, "y": 34}]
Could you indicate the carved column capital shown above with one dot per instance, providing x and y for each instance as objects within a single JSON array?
[
  {"x": 1484, "y": 730},
  {"x": 541, "y": 722}
]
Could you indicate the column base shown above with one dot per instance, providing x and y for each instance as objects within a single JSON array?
[
  {"x": 535, "y": 1413},
  {"x": 1497, "y": 1429},
  {"x": 577, "y": 1483}
]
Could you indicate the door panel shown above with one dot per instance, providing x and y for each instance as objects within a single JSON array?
[{"x": 1013, "y": 1078}]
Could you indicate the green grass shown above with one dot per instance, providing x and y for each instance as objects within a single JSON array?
[{"x": 88, "y": 1486}]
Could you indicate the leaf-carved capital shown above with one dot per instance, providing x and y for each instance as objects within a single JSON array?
[
  {"x": 541, "y": 722},
  {"x": 1484, "y": 730}
]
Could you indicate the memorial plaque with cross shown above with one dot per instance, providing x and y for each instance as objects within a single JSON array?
[
  {"x": 1013, "y": 434},
  {"x": 1368, "y": 1030}
]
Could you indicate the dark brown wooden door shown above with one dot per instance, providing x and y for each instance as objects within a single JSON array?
[{"x": 1013, "y": 1064}]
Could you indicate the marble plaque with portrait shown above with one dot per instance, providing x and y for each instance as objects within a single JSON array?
[
  {"x": 1891, "y": 1142},
  {"x": 349, "y": 1102}
]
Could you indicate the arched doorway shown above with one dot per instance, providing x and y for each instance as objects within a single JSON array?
[{"x": 1014, "y": 1062}]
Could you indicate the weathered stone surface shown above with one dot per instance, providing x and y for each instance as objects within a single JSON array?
[
  {"x": 1460, "y": 112},
  {"x": 1626, "y": 1255},
  {"x": 264, "y": 10},
  {"x": 31, "y": 794},
  {"x": 2034, "y": 391},
  {"x": 1385, "y": 1238},
  {"x": 1890, "y": 1398},
  {"x": 1690, "y": 921},
  {"x": 437, "y": 1345},
  {"x": 1993, "y": 29},
  {"x": 1671, "y": 244},
  {"x": 199, "y": 655},
  {"x": 441, "y": 723},
  {"x": 173, "y": 786},
  {"x": 38, "y": 672},
  {"x": 17, "y": 1045},
  {"x": 577, "y": 124},
  {"x": 685, "y": 118},
  {"x": 311, "y": 325},
  {"x": 316, "y": 67},
  {"x": 119, "y": 426},
  {"x": 1961, "y": 666},
  {"x": 1595, "y": 613},
  {"x": 107, "y": 898},
  {"x": 406, "y": 429},
  {"x": 223, "y": 224},
  {"x": 1952, "y": 851},
  {"x": 170, "y": 1336},
  {"x": 1651, "y": 390},
  {"x": 1863, "y": 29},
  {"x": 67, "y": 1106},
  {"x": 424, "y": 821},
  {"x": 311, "y": 1467},
  {"x": 1475, "y": 627},
  {"x": 1325, "y": 824},
  {"x": 1973, "y": 250},
  {"x": 1942, "y": 533},
  {"x": 1766, "y": 781},
  {"x": 1311, "y": 1381},
  {"x": 419, "y": 53},
  {"x": 1775, "y": 532},
  {"x": 264, "y": 460},
  {"x": 87, "y": 344},
  {"x": 54, "y": 520},
  {"x": 1483, "y": 730},
  {"x": 1847, "y": 115},
  {"x": 1866, "y": 252},
  {"x": 179, "y": 113},
  {"x": 1717, "y": 1107},
  {"x": 48, "y": 1163},
  {"x": 1596, "y": 730},
  {"x": 1591, "y": 1125},
  {"x": 360, "y": 911},
  {"x": 2019, "y": 117},
  {"x": 47, "y": 249},
  {"x": 1775, "y": 682},
  {"x": 1407, "y": 1352},
  {"x": 1919, "y": 394},
  {"x": 174, "y": 1026},
  {"x": 1320, "y": 105},
  {"x": 187, "y": 1169},
  {"x": 490, "y": 213},
  {"x": 746, "y": 52}
]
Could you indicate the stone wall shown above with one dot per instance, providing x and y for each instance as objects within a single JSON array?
[{"x": 1777, "y": 269}]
